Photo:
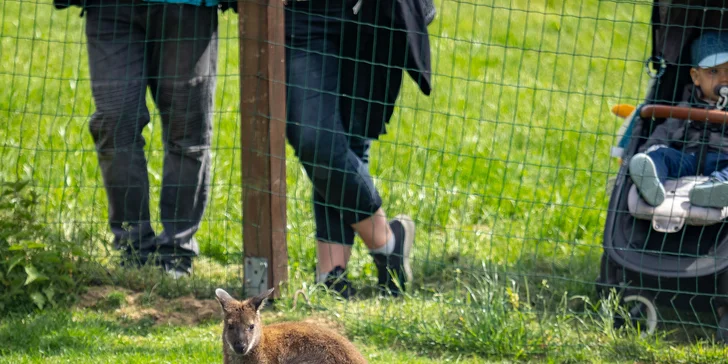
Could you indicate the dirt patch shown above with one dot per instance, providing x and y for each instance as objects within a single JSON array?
[
  {"x": 143, "y": 308},
  {"x": 136, "y": 306},
  {"x": 95, "y": 295}
]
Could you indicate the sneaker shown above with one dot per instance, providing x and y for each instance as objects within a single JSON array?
[
  {"x": 338, "y": 280},
  {"x": 178, "y": 268},
  {"x": 712, "y": 193},
  {"x": 399, "y": 261},
  {"x": 643, "y": 172}
]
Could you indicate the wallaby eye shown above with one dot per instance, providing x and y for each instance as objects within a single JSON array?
[
  {"x": 251, "y": 327},
  {"x": 230, "y": 326}
]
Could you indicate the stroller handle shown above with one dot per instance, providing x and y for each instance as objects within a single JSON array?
[{"x": 680, "y": 112}]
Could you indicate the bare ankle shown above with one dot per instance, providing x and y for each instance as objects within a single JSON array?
[
  {"x": 330, "y": 256},
  {"x": 374, "y": 230}
]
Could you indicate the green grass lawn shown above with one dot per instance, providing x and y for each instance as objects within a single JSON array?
[
  {"x": 81, "y": 338},
  {"x": 153, "y": 328},
  {"x": 504, "y": 168}
]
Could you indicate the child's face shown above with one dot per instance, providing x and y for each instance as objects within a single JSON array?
[{"x": 708, "y": 78}]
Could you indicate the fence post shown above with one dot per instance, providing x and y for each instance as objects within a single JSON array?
[{"x": 263, "y": 153}]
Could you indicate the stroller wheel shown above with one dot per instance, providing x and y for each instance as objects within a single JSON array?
[
  {"x": 643, "y": 309},
  {"x": 722, "y": 333}
]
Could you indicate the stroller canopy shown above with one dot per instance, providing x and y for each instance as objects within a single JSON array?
[{"x": 676, "y": 23}]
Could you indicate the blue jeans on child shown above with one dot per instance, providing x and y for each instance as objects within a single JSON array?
[{"x": 672, "y": 163}]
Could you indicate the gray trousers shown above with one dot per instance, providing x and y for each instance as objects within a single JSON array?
[{"x": 172, "y": 50}]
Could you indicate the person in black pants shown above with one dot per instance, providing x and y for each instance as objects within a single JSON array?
[
  {"x": 169, "y": 48},
  {"x": 343, "y": 73}
]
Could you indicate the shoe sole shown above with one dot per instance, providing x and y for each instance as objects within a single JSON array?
[
  {"x": 644, "y": 175},
  {"x": 715, "y": 196},
  {"x": 409, "y": 239}
]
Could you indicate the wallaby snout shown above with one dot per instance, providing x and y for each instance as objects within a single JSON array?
[{"x": 238, "y": 347}]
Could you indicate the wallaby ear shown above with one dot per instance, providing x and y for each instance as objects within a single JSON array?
[
  {"x": 223, "y": 297},
  {"x": 258, "y": 301}
]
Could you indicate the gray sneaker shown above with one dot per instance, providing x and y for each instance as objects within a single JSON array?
[
  {"x": 644, "y": 175},
  {"x": 713, "y": 193}
]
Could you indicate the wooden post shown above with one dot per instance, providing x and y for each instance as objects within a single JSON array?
[{"x": 263, "y": 153}]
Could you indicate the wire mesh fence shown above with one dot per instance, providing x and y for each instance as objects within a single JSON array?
[{"x": 507, "y": 168}]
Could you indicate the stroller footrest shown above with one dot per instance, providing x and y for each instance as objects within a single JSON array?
[{"x": 676, "y": 210}]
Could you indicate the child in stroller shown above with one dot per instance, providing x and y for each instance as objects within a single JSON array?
[
  {"x": 675, "y": 254},
  {"x": 678, "y": 147}
]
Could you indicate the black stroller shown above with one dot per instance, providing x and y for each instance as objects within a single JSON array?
[{"x": 674, "y": 255}]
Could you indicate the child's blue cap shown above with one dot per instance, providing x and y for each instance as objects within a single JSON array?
[{"x": 710, "y": 49}]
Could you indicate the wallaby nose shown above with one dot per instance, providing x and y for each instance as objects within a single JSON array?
[{"x": 239, "y": 348}]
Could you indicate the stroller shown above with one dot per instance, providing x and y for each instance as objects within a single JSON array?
[{"x": 674, "y": 254}]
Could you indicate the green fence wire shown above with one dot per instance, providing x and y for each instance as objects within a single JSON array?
[{"x": 506, "y": 169}]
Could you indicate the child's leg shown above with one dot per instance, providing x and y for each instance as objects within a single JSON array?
[
  {"x": 713, "y": 193},
  {"x": 716, "y": 166},
  {"x": 650, "y": 170}
]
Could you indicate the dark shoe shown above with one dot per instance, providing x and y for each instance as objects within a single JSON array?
[
  {"x": 397, "y": 263},
  {"x": 174, "y": 260},
  {"x": 338, "y": 281},
  {"x": 133, "y": 259},
  {"x": 178, "y": 267},
  {"x": 712, "y": 193}
]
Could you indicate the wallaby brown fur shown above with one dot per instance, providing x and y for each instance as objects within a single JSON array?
[{"x": 246, "y": 340}]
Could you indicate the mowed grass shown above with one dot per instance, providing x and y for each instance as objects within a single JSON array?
[
  {"x": 95, "y": 337},
  {"x": 504, "y": 169}
]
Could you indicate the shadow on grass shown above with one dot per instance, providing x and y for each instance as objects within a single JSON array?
[
  {"x": 59, "y": 331},
  {"x": 207, "y": 276},
  {"x": 92, "y": 336}
]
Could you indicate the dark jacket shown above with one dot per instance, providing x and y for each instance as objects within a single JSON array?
[
  {"x": 63, "y": 4},
  {"x": 394, "y": 36},
  {"x": 690, "y": 135},
  {"x": 411, "y": 46}
]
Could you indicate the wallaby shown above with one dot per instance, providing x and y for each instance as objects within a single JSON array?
[{"x": 246, "y": 340}]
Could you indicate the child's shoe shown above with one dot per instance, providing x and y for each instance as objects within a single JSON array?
[
  {"x": 712, "y": 193},
  {"x": 644, "y": 175}
]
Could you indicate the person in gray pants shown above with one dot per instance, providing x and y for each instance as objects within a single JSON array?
[{"x": 169, "y": 48}]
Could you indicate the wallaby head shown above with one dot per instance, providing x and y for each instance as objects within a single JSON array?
[{"x": 243, "y": 328}]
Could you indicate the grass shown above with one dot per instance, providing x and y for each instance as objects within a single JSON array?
[
  {"x": 485, "y": 326},
  {"x": 504, "y": 168},
  {"x": 80, "y": 338}
]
